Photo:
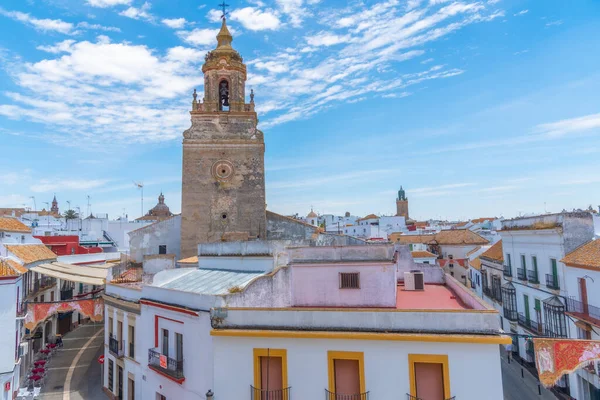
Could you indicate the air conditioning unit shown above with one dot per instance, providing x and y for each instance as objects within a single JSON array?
[
  {"x": 414, "y": 280},
  {"x": 23, "y": 349}
]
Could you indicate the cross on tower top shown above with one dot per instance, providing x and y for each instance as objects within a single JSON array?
[{"x": 224, "y": 7}]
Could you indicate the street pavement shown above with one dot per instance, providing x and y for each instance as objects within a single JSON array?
[
  {"x": 520, "y": 388},
  {"x": 74, "y": 372}
]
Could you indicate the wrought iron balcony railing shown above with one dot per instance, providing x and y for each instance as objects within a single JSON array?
[
  {"x": 522, "y": 274},
  {"x": 487, "y": 291},
  {"x": 265, "y": 394},
  {"x": 66, "y": 294},
  {"x": 115, "y": 347},
  {"x": 583, "y": 310},
  {"x": 552, "y": 281},
  {"x": 530, "y": 324},
  {"x": 532, "y": 276},
  {"x": 510, "y": 315},
  {"x": 339, "y": 396},
  {"x": 508, "y": 271},
  {"x": 169, "y": 366}
]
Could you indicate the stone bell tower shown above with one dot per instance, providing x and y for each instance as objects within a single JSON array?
[
  {"x": 223, "y": 182},
  {"x": 402, "y": 204}
]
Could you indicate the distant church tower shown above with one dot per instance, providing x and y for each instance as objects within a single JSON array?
[
  {"x": 54, "y": 208},
  {"x": 223, "y": 182},
  {"x": 402, "y": 204}
]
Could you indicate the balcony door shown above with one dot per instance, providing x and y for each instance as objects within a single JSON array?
[
  {"x": 526, "y": 302},
  {"x": 429, "y": 379},
  {"x": 271, "y": 374},
  {"x": 347, "y": 377},
  {"x": 120, "y": 334}
]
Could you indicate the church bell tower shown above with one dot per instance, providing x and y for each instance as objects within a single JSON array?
[{"x": 223, "y": 178}]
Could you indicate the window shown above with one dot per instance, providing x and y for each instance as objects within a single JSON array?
[
  {"x": 131, "y": 341},
  {"x": 425, "y": 262},
  {"x": 162, "y": 249},
  {"x": 508, "y": 260},
  {"x": 534, "y": 263},
  {"x": 111, "y": 371},
  {"x": 110, "y": 326},
  {"x": 42, "y": 298},
  {"x": 179, "y": 347},
  {"x": 523, "y": 263},
  {"x": 131, "y": 389},
  {"x": 52, "y": 296},
  {"x": 429, "y": 376},
  {"x": 270, "y": 373},
  {"x": 160, "y": 397},
  {"x": 451, "y": 273},
  {"x": 165, "y": 342},
  {"x": 346, "y": 373},
  {"x": 349, "y": 280}
]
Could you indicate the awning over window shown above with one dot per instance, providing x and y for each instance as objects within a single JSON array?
[{"x": 73, "y": 273}]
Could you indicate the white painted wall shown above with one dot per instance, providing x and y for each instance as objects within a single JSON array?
[
  {"x": 385, "y": 363},
  {"x": 197, "y": 348},
  {"x": 318, "y": 285}
]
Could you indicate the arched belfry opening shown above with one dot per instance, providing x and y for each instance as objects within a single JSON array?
[{"x": 224, "y": 95}]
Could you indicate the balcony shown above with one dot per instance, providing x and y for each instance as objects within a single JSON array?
[
  {"x": 115, "y": 347},
  {"x": 167, "y": 366},
  {"x": 409, "y": 397},
  {"x": 552, "y": 282},
  {"x": 510, "y": 315},
  {"x": 530, "y": 324},
  {"x": 583, "y": 311},
  {"x": 487, "y": 291},
  {"x": 532, "y": 276},
  {"x": 21, "y": 310},
  {"x": 522, "y": 274},
  {"x": 337, "y": 396},
  {"x": 264, "y": 394},
  {"x": 66, "y": 294},
  {"x": 41, "y": 284},
  {"x": 508, "y": 271}
]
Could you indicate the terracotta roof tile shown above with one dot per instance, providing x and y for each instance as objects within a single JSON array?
[
  {"x": 370, "y": 216},
  {"x": 408, "y": 239},
  {"x": 458, "y": 237},
  {"x": 8, "y": 224},
  {"x": 476, "y": 263},
  {"x": 17, "y": 267},
  {"x": 587, "y": 255},
  {"x": 422, "y": 254},
  {"x": 480, "y": 220},
  {"x": 30, "y": 253},
  {"x": 7, "y": 269},
  {"x": 494, "y": 253}
]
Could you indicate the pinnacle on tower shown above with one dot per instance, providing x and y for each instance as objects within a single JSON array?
[{"x": 224, "y": 37}]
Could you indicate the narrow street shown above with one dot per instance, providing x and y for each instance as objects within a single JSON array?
[
  {"x": 521, "y": 388},
  {"x": 74, "y": 372}
]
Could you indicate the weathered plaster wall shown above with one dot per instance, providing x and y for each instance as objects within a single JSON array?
[
  {"x": 578, "y": 228},
  {"x": 272, "y": 290},
  {"x": 153, "y": 264},
  {"x": 318, "y": 285},
  {"x": 145, "y": 241}
]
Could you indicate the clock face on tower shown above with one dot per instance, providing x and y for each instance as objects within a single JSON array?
[{"x": 222, "y": 170}]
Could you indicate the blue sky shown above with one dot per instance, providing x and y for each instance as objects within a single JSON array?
[{"x": 478, "y": 108}]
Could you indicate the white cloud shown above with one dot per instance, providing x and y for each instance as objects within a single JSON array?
[
  {"x": 522, "y": 12},
  {"x": 326, "y": 39},
  {"x": 255, "y": 19},
  {"x": 199, "y": 37},
  {"x": 52, "y": 185},
  {"x": 214, "y": 15},
  {"x": 569, "y": 126},
  {"x": 87, "y": 25},
  {"x": 107, "y": 93},
  {"x": 517, "y": 53},
  {"x": 43, "y": 25},
  {"x": 294, "y": 9},
  {"x": 427, "y": 61},
  {"x": 107, "y": 3},
  {"x": 138, "y": 13},
  {"x": 554, "y": 23},
  {"x": 175, "y": 23},
  {"x": 60, "y": 47}
]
